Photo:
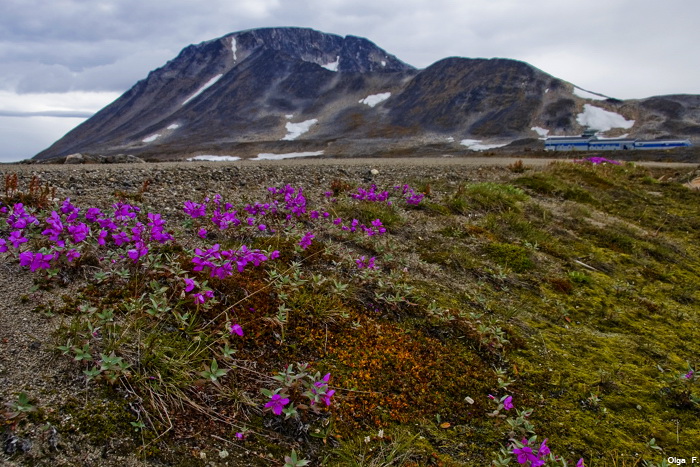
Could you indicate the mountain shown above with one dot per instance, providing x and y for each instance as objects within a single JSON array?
[{"x": 296, "y": 89}]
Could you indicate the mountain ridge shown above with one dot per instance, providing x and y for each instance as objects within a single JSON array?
[{"x": 240, "y": 92}]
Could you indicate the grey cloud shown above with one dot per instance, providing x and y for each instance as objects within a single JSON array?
[
  {"x": 109, "y": 45},
  {"x": 47, "y": 113}
]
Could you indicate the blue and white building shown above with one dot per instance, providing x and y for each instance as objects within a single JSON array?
[{"x": 587, "y": 142}]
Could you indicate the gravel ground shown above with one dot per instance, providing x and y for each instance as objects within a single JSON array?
[{"x": 28, "y": 363}]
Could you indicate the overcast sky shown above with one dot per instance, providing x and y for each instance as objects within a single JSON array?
[{"x": 62, "y": 60}]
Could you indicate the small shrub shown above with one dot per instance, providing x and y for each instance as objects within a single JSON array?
[{"x": 517, "y": 167}]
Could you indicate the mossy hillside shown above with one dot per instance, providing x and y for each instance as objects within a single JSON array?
[{"x": 570, "y": 289}]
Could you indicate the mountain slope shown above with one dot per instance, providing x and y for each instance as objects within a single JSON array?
[{"x": 287, "y": 89}]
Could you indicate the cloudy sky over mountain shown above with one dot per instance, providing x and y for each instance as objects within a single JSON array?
[{"x": 62, "y": 60}]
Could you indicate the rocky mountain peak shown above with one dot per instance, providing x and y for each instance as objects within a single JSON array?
[{"x": 331, "y": 51}]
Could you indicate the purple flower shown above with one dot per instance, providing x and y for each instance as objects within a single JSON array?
[
  {"x": 306, "y": 240},
  {"x": 101, "y": 237},
  {"x": 189, "y": 284},
  {"x": 202, "y": 233},
  {"x": 327, "y": 397},
  {"x": 120, "y": 238},
  {"x": 508, "y": 403},
  {"x": 689, "y": 375},
  {"x": 92, "y": 214},
  {"x": 40, "y": 261},
  {"x": 67, "y": 207},
  {"x": 544, "y": 449},
  {"x": 79, "y": 232},
  {"x": 262, "y": 227},
  {"x": 236, "y": 328},
  {"x": 524, "y": 455},
  {"x": 277, "y": 403},
  {"x": 3, "y": 245},
  {"x": 195, "y": 210},
  {"x": 72, "y": 254},
  {"x": 601, "y": 160},
  {"x": 202, "y": 297},
  {"x": 25, "y": 258},
  {"x": 362, "y": 263},
  {"x": 240, "y": 436},
  {"x": 580, "y": 463},
  {"x": 16, "y": 238},
  {"x": 138, "y": 252}
]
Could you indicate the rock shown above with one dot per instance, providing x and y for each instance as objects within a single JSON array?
[
  {"x": 694, "y": 184},
  {"x": 123, "y": 159},
  {"x": 75, "y": 159},
  {"x": 14, "y": 444}
]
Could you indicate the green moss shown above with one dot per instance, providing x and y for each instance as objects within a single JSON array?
[
  {"x": 512, "y": 256},
  {"x": 103, "y": 420},
  {"x": 486, "y": 197}
]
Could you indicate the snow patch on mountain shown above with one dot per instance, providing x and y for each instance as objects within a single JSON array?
[
  {"x": 152, "y": 138},
  {"x": 213, "y": 158},
  {"x": 333, "y": 66},
  {"x": 290, "y": 155},
  {"x": 543, "y": 132},
  {"x": 602, "y": 120},
  {"x": 294, "y": 130},
  {"x": 375, "y": 99},
  {"x": 476, "y": 145},
  {"x": 204, "y": 87},
  {"x": 173, "y": 126},
  {"x": 233, "y": 48}
]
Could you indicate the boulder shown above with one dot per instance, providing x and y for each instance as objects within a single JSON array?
[{"x": 76, "y": 158}]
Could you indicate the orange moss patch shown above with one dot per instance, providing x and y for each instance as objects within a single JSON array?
[{"x": 404, "y": 376}]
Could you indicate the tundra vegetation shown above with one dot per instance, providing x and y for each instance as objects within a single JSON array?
[{"x": 550, "y": 319}]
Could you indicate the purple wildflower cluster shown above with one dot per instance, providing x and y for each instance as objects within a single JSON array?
[
  {"x": 366, "y": 263},
  {"x": 597, "y": 160},
  {"x": 377, "y": 228},
  {"x": 305, "y": 241},
  {"x": 524, "y": 451},
  {"x": 319, "y": 390},
  {"x": 315, "y": 388},
  {"x": 69, "y": 229},
  {"x": 410, "y": 196},
  {"x": 221, "y": 263},
  {"x": 287, "y": 204},
  {"x": 370, "y": 195}
]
